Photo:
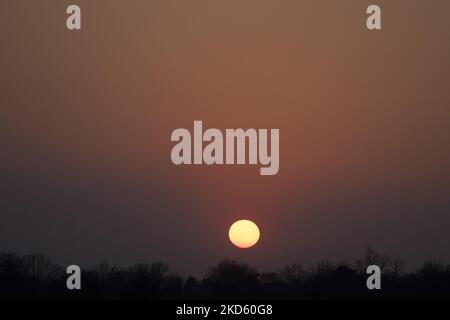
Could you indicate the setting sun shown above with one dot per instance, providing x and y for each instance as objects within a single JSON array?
[{"x": 244, "y": 234}]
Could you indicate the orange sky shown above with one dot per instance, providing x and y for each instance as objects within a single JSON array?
[{"x": 86, "y": 119}]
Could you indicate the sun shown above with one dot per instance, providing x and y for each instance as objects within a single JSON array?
[{"x": 244, "y": 234}]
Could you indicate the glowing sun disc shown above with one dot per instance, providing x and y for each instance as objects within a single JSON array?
[{"x": 244, "y": 234}]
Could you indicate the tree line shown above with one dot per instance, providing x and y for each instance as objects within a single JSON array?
[{"x": 34, "y": 276}]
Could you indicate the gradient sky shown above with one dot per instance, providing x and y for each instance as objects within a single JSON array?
[{"x": 86, "y": 118}]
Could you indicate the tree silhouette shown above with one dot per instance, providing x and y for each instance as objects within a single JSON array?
[
  {"x": 34, "y": 276},
  {"x": 229, "y": 279}
]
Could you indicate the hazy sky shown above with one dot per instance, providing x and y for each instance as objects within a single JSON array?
[{"x": 86, "y": 118}]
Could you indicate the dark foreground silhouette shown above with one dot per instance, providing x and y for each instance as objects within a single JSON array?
[{"x": 35, "y": 277}]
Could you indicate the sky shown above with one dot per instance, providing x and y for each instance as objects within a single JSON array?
[{"x": 86, "y": 118}]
